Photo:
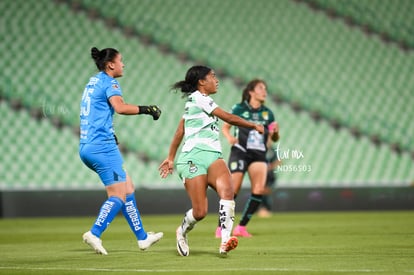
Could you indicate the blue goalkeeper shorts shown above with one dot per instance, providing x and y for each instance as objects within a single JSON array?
[{"x": 106, "y": 160}]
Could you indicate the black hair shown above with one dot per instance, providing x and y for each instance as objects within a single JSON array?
[
  {"x": 101, "y": 57},
  {"x": 190, "y": 83},
  {"x": 250, "y": 87}
]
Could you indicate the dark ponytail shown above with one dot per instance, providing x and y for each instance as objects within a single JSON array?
[
  {"x": 102, "y": 57},
  {"x": 190, "y": 83}
]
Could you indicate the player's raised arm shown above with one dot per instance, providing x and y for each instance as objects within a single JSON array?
[
  {"x": 124, "y": 108},
  {"x": 236, "y": 120}
]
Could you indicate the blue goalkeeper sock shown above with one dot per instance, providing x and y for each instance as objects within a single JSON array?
[
  {"x": 131, "y": 214},
  {"x": 108, "y": 212}
]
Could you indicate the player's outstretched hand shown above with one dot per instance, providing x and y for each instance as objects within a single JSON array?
[
  {"x": 152, "y": 110},
  {"x": 259, "y": 128},
  {"x": 166, "y": 168},
  {"x": 155, "y": 111}
]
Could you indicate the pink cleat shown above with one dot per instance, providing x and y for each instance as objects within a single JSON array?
[
  {"x": 229, "y": 245},
  {"x": 218, "y": 232},
  {"x": 241, "y": 231}
]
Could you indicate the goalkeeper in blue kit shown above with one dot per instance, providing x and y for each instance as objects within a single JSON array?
[{"x": 99, "y": 151}]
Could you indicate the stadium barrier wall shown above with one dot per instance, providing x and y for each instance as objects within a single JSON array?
[{"x": 175, "y": 201}]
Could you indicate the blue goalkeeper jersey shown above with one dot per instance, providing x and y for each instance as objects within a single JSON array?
[{"x": 96, "y": 113}]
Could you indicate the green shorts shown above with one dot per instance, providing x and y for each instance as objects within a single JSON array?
[{"x": 195, "y": 163}]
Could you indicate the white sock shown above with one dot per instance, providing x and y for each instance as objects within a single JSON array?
[
  {"x": 188, "y": 222},
  {"x": 226, "y": 216}
]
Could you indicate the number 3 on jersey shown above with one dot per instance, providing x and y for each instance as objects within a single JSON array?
[{"x": 86, "y": 102}]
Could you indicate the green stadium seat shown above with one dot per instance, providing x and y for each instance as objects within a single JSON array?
[{"x": 304, "y": 56}]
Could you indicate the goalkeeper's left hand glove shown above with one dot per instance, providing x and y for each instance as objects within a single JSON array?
[{"x": 152, "y": 110}]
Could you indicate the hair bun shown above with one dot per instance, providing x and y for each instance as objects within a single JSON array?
[{"x": 95, "y": 53}]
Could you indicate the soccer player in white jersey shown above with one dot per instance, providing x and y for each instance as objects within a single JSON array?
[
  {"x": 99, "y": 151},
  {"x": 200, "y": 163}
]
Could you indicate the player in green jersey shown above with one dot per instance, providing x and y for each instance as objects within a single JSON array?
[
  {"x": 200, "y": 163},
  {"x": 248, "y": 151}
]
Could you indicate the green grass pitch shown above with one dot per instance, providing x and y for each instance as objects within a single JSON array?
[{"x": 286, "y": 243}]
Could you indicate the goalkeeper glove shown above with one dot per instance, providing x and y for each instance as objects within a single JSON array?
[{"x": 152, "y": 110}]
